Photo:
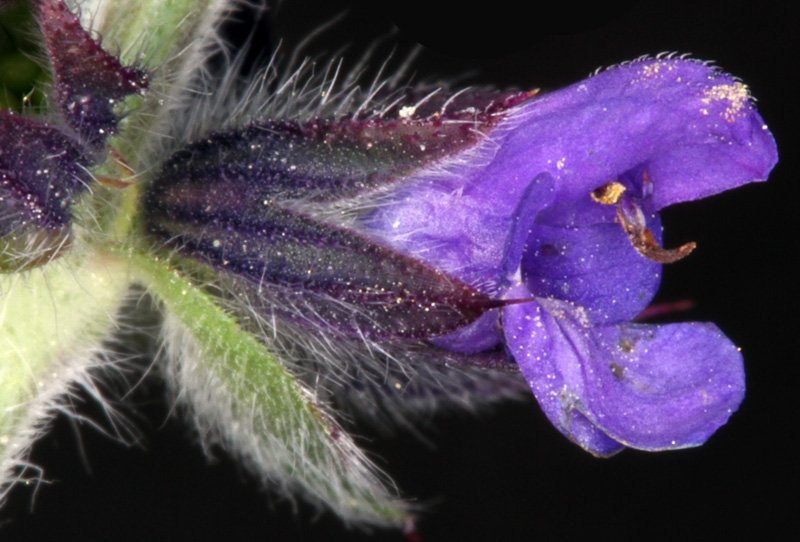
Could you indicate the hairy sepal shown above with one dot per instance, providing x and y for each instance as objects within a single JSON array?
[
  {"x": 172, "y": 39},
  {"x": 53, "y": 320},
  {"x": 243, "y": 399},
  {"x": 42, "y": 173},
  {"x": 88, "y": 81}
]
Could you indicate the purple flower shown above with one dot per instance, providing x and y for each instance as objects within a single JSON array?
[
  {"x": 521, "y": 226},
  {"x": 311, "y": 243},
  {"x": 559, "y": 206}
]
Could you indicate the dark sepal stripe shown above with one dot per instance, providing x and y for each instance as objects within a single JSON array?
[
  {"x": 224, "y": 200},
  {"x": 343, "y": 278},
  {"x": 326, "y": 160}
]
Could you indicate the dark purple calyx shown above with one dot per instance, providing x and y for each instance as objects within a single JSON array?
[
  {"x": 325, "y": 160},
  {"x": 316, "y": 273},
  {"x": 88, "y": 81},
  {"x": 42, "y": 171},
  {"x": 232, "y": 200}
]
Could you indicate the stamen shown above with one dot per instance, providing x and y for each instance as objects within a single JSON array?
[
  {"x": 517, "y": 301},
  {"x": 647, "y": 185},
  {"x": 633, "y": 222},
  {"x": 120, "y": 161},
  {"x": 113, "y": 182},
  {"x": 664, "y": 309}
]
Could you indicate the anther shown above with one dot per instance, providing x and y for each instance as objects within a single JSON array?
[
  {"x": 634, "y": 223},
  {"x": 609, "y": 193}
]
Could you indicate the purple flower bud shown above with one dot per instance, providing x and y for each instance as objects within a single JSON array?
[
  {"x": 44, "y": 161},
  {"x": 529, "y": 225},
  {"x": 89, "y": 82},
  {"x": 42, "y": 171}
]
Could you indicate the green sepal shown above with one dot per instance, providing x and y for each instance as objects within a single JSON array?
[
  {"x": 307, "y": 451},
  {"x": 53, "y": 319}
]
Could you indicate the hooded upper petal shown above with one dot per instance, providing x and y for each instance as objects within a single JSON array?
[{"x": 690, "y": 126}]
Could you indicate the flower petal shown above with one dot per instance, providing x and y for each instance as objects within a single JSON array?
[
  {"x": 647, "y": 387},
  {"x": 657, "y": 387},
  {"x": 593, "y": 266},
  {"x": 533, "y": 199},
  {"x": 485, "y": 333},
  {"x": 482, "y": 334},
  {"x": 550, "y": 367},
  {"x": 691, "y": 126},
  {"x": 476, "y": 239}
]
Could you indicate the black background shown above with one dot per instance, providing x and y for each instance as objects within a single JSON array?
[{"x": 507, "y": 474}]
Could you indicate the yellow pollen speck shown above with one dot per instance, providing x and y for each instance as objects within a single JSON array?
[
  {"x": 609, "y": 193},
  {"x": 735, "y": 94},
  {"x": 560, "y": 163},
  {"x": 216, "y": 243},
  {"x": 651, "y": 69}
]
